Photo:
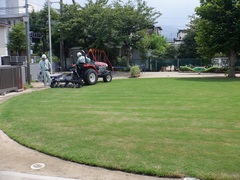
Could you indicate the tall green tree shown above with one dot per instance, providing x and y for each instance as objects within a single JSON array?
[
  {"x": 158, "y": 45},
  {"x": 133, "y": 17},
  {"x": 218, "y": 29},
  {"x": 171, "y": 52},
  {"x": 98, "y": 24},
  {"x": 17, "y": 39},
  {"x": 106, "y": 26},
  {"x": 39, "y": 23},
  {"x": 144, "y": 44},
  {"x": 188, "y": 48},
  {"x": 71, "y": 24}
]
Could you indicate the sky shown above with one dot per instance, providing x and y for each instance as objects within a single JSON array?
[{"x": 175, "y": 13}]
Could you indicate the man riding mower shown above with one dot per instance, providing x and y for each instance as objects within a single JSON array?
[{"x": 84, "y": 72}]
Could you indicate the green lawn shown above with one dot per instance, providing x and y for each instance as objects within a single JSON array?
[{"x": 167, "y": 127}]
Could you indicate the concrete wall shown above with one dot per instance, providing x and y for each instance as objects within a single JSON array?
[{"x": 34, "y": 70}]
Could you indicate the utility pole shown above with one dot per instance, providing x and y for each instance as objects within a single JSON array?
[
  {"x": 27, "y": 42},
  {"x": 62, "y": 57},
  {"x": 50, "y": 33}
]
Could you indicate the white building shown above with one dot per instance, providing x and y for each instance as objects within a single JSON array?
[
  {"x": 10, "y": 8},
  {"x": 11, "y": 12},
  {"x": 31, "y": 6},
  {"x": 180, "y": 36},
  {"x": 3, "y": 36}
]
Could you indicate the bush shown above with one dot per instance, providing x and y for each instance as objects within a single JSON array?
[
  {"x": 215, "y": 69},
  {"x": 237, "y": 68},
  {"x": 121, "y": 61},
  {"x": 134, "y": 71},
  {"x": 212, "y": 69},
  {"x": 185, "y": 68}
]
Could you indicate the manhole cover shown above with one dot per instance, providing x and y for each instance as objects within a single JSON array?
[{"x": 37, "y": 166}]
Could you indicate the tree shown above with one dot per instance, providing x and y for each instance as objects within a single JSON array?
[
  {"x": 144, "y": 44},
  {"x": 35, "y": 27},
  {"x": 17, "y": 39},
  {"x": 106, "y": 26},
  {"x": 158, "y": 45},
  {"x": 87, "y": 27},
  {"x": 71, "y": 25},
  {"x": 171, "y": 52},
  {"x": 39, "y": 23},
  {"x": 218, "y": 30},
  {"x": 188, "y": 48},
  {"x": 132, "y": 18},
  {"x": 99, "y": 23}
]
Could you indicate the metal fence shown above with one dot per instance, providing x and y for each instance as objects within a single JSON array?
[
  {"x": 10, "y": 78},
  {"x": 18, "y": 60},
  {"x": 161, "y": 64},
  {"x": 14, "y": 60}
]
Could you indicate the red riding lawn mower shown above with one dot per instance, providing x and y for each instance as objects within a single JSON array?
[{"x": 86, "y": 73}]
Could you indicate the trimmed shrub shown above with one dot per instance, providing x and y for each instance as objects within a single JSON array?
[
  {"x": 135, "y": 71},
  {"x": 185, "y": 68}
]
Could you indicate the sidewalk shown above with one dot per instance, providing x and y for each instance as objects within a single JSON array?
[
  {"x": 6, "y": 175},
  {"x": 170, "y": 74},
  {"x": 16, "y": 160}
]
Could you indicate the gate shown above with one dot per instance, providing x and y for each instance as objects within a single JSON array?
[{"x": 10, "y": 78}]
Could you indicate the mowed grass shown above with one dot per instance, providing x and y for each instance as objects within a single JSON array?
[{"x": 165, "y": 127}]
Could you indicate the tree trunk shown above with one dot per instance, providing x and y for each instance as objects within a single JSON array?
[
  {"x": 128, "y": 55},
  {"x": 128, "y": 58},
  {"x": 232, "y": 61},
  {"x": 73, "y": 1}
]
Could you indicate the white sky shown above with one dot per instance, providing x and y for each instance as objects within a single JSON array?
[{"x": 175, "y": 13}]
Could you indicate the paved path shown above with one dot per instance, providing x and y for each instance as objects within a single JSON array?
[
  {"x": 16, "y": 160},
  {"x": 173, "y": 74}
]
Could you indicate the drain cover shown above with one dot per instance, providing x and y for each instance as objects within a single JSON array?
[{"x": 37, "y": 166}]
